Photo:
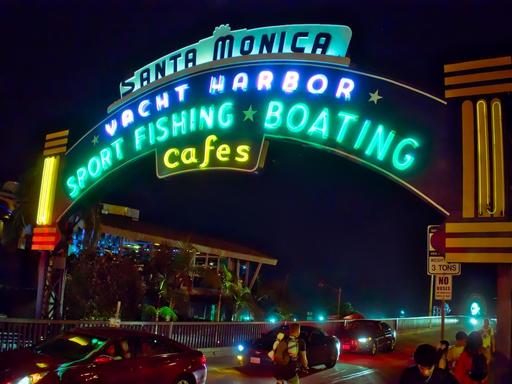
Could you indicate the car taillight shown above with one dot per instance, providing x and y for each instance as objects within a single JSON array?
[{"x": 203, "y": 359}]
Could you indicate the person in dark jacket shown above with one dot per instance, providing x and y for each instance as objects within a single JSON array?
[{"x": 425, "y": 370}]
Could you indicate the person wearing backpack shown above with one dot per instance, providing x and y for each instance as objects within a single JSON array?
[
  {"x": 288, "y": 353},
  {"x": 472, "y": 366}
]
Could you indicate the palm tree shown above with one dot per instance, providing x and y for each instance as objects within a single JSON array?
[
  {"x": 171, "y": 274},
  {"x": 241, "y": 297},
  {"x": 229, "y": 286}
]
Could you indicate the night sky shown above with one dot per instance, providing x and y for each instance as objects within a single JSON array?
[{"x": 322, "y": 216}]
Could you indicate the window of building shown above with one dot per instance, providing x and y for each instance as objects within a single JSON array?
[{"x": 200, "y": 261}]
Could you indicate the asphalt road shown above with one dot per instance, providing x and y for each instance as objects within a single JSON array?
[{"x": 384, "y": 368}]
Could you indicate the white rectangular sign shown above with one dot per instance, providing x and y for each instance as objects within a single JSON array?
[
  {"x": 443, "y": 287},
  {"x": 438, "y": 266}
]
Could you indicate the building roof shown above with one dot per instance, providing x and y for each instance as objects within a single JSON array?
[{"x": 139, "y": 231}]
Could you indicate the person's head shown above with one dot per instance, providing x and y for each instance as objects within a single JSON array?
[
  {"x": 474, "y": 342},
  {"x": 486, "y": 323},
  {"x": 444, "y": 344},
  {"x": 295, "y": 329},
  {"x": 425, "y": 357},
  {"x": 461, "y": 335}
]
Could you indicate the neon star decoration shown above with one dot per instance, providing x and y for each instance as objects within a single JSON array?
[
  {"x": 375, "y": 97},
  {"x": 95, "y": 140},
  {"x": 249, "y": 113}
]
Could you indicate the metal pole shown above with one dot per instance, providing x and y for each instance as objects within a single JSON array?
[
  {"x": 339, "y": 302},
  {"x": 41, "y": 281},
  {"x": 442, "y": 319},
  {"x": 431, "y": 295}
]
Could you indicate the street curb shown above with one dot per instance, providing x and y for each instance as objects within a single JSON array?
[{"x": 218, "y": 352}]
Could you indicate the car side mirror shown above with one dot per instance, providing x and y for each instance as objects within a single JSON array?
[{"x": 102, "y": 359}]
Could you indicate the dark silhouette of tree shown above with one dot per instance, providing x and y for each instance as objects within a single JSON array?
[{"x": 94, "y": 285}]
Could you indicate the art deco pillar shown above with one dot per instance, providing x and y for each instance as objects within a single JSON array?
[{"x": 483, "y": 232}]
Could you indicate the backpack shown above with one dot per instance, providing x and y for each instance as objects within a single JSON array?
[
  {"x": 478, "y": 367},
  {"x": 281, "y": 355}
]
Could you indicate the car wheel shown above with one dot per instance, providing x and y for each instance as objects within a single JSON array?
[
  {"x": 331, "y": 364},
  {"x": 333, "y": 358},
  {"x": 185, "y": 380},
  {"x": 373, "y": 349}
]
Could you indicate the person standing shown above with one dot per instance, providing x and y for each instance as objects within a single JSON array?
[
  {"x": 456, "y": 350},
  {"x": 289, "y": 353},
  {"x": 442, "y": 354},
  {"x": 425, "y": 370},
  {"x": 488, "y": 342},
  {"x": 471, "y": 368}
]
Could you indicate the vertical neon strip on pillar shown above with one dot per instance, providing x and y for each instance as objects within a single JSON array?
[
  {"x": 47, "y": 192},
  {"x": 468, "y": 160},
  {"x": 484, "y": 185},
  {"x": 497, "y": 153}
]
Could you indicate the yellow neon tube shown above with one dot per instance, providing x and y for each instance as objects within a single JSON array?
[
  {"x": 47, "y": 192},
  {"x": 497, "y": 152},
  {"x": 484, "y": 184}
]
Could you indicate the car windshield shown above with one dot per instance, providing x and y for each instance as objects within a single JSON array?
[
  {"x": 358, "y": 326},
  {"x": 285, "y": 329},
  {"x": 70, "y": 346},
  {"x": 273, "y": 333}
]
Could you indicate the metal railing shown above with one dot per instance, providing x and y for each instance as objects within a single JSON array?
[{"x": 23, "y": 333}]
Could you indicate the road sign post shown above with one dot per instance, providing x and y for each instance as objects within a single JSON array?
[{"x": 443, "y": 293}]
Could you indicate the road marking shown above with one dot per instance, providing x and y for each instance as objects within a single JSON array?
[{"x": 354, "y": 375}]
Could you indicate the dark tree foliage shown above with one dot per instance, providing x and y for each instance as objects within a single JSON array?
[{"x": 94, "y": 285}]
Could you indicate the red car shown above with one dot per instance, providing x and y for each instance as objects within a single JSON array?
[{"x": 104, "y": 355}]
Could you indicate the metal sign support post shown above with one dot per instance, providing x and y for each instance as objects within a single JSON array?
[
  {"x": 442, "y": 318},
  {"x": 431, "y": 295}
]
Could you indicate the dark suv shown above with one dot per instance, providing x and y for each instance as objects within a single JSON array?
[{"x": 368, "y": 336}]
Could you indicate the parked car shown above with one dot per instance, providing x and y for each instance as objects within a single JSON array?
[
  {"x": 321, "y": 348},
  {"x": 368, "y": 336},
  {"x": 104, "y": 355}
]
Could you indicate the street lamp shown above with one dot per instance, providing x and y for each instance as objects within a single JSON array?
[{"x": 475, "y": 309}]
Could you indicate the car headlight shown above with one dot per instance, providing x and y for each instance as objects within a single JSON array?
[
  {"x": 240, "y": 347},
  {"x": 364, "y": 339},
  {"x": 32, "y": 379}
]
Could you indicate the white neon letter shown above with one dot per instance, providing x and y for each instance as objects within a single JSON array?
[
  {"x": 240, "y": 82},
  {"x": 317, "y": 78},
  {"x": 217, "y": 84},
  {"x": 291, "y": 81},
  {"x": 345, "y": 87},
  {"x": 143, "y": 108},
  {"x": 162, "y": 101},
  {"x": 265, "y": 80},
  {"x": 111, "y": 128},
  {"x": 127, "y": 118},
  {"x": 181, "y": 92}
]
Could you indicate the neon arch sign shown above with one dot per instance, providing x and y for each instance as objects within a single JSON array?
[{"x": 221, "y": 115}]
